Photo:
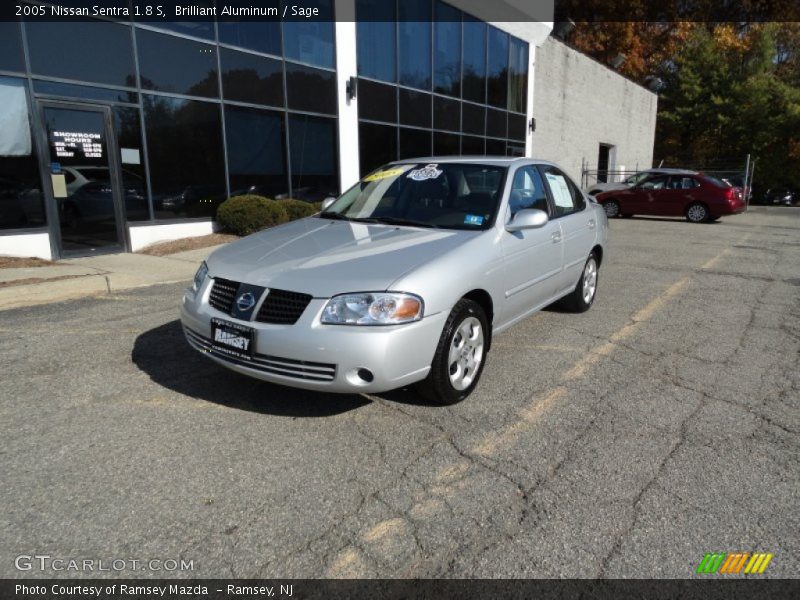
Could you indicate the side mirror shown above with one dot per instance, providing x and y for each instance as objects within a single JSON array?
[
  {"x": 528, "y": 218},
  {"x": 327, "y": 203}
]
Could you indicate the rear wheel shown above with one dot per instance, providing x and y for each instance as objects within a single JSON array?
[
  {"x": 697, "y": 213},
  {"x": 612, "y": 208},
  {"x": 582, "y": 297},
  {"x": 460, "y": 355}
]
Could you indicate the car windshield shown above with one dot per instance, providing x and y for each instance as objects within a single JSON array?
[
  {"x": 448, "y": 196},
  {"x": 636, "y": 178}
]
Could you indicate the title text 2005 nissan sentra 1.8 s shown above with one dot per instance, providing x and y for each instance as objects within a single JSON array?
[{"x": 404, "y": 279}]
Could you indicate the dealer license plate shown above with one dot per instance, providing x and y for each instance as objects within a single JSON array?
[{"x": 233, "y": 339}]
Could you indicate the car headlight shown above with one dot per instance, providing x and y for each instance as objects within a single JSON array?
[
  {"x": 199, "y": 277},
  {"x": 378, "y": 308}
]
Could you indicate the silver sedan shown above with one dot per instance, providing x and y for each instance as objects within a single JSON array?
[{"x": 404, "y": 279}]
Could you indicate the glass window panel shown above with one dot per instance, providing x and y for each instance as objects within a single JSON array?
[
  {"x": 474, "y": 76},
  {"x": 517, "y": 127},
  {"x": 446, "y": 144},
  {"x": 311, "y": 89},
  {"x": 472, "y": 146},
  {"x": 495, "y": 147},
  {"x": 496, "y": 123},
  {"x": 261, "y": 36},
  {"x": 518, "y": 76},
  {"x": 377, "y": 102},
  {"x": 314, "y": 157},
  {"x": 172, "y": 64},
  {"x": 256, "y": 152},
  {"x": 251, "y": 78},
  {"x": 414, "y": 143},
  {"x": 184, "y": 144},
  {"x": 447, "y": 50},
  {"x": 21, "y": 203},
  {"x": 414, "y": 37},
  {"x": 497, "y": 78},
  {"x": 69, "y": 90},
  {"x": 377, "y": 146},
  {"x": 516, "y": 150},
  {"x": 473, "y": 118},
  {"x": 71, "y": 49},
  {"x": 311, "y": 40},
  {"x": 415, "y": 108},
  {"x": 128, "y": 128},
  {"x": 446, "y": 114},
  {"x": 376, "y": 34},
  {"x": 10, "y": 47}
]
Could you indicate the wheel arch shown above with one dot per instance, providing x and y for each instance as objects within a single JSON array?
[
  {"x": 484, "y": 299},
  {"x": 598, "y": 252}
]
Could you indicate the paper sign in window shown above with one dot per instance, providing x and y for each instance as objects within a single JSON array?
[
  {"x": 59, "y": 185},
  {"x": 130, "y": 156},
  {"x": 560, "y": 189}
]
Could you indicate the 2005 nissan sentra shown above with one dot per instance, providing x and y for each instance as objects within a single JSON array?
[{"x": 402, "y": 280}]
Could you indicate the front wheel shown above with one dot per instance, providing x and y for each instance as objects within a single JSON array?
[
  {"x": 582, "y": 297},
  {"x": 460, "y": 355},
  {"x": 697, "y": 213}
]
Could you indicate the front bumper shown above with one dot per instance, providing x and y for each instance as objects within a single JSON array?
[{"x": 314, "y": 356}]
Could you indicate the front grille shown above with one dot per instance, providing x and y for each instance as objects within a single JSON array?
[
  {"x": 275, "y": 365},
  {"x": 222, "y": 294},
  {"x": 282, "y": 307}
]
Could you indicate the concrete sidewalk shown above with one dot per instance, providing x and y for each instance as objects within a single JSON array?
[{"x": 95, "y": 276}]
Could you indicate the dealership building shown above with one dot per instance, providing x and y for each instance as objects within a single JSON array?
[{"x": 117, "y": 133}]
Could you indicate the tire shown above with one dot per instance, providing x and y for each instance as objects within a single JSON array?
[
  {"x": 612, "y": 208},
  {"x": 582, "y": 297},
  {"x": 697, "y": 212},
  {"x": 627, "y": 216},
  {"x": 458, "y": 362}
]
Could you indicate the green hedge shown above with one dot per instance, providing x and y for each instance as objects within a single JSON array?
[
  {"x": 243, "y": 215},
  {"x": 298, "y": 209}
]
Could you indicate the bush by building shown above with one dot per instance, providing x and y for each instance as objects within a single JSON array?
[{"x": 243, "y": 215}]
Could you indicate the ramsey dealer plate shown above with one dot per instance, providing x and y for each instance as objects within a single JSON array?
[{"x": 232, "y": 339}]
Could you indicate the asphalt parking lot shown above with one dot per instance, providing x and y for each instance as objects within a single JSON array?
[{"x": 624, "y": 442}]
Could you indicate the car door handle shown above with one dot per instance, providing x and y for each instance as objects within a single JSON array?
[
  {"x": 592, "y": 223},
  {"x": 556, "y": 236}
]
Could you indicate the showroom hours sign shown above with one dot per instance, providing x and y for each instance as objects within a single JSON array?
[{"x": 76, "y": 144}]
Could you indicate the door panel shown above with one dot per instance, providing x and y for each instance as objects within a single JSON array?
[{"x": 84, "y": 179}]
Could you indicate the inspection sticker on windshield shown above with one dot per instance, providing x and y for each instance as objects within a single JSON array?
[
  {"x": 383, "y": 175},
  {"x": 473, "y": 220},
  {"x": 429, "y": 172}
]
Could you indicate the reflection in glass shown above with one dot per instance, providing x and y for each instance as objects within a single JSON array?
[
  {"x": 72, "y": 49},
  {"x": 496, "y": 123},
  {"x": 191, "y": 67},
  {"x": 414, "y": 37},
  {"x": 517, "y": 127},
  {"x": 184, "y": 143},
  {"x": 474, "y": 82},
  {"x": 414, "y": 143},
  {"x": 495, "y": 147},
  {"x": 21, "y": 202},
  {"x": 447, "y": 50},
  {"x": 376, "y": 32},
  {"x": 472, "y": 146},
  {"x": 10, "y": 47},
  {"x": 473, "y": 118},
  {"x": 518, "y": 76},
  {"x": 87, "y": 92},
  {"x": 261, "y": 36},
  {"x": 446, "y": 114},
  {"x": 250, "y": 78},
  {"x": 310, "y": 89},
  {"x": 311, "y": 40},
  {"x": 377, "y": 146},
  {"x": 446, "y": 144},
  {"x": 376, "y": 101},
  {"x": 202, "y": 28},
  {"x": 312, "y": 141},
  {"x": 256, "y": 152},
  {"x": 497, "y": 78},
  {"x": 129, "y": 137},
  {"x": 415, "y": 108}
]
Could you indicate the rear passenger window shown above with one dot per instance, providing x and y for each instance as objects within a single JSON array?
[
  {"x": 527, "y": 191},
  {"x": 567, "y": 198}
]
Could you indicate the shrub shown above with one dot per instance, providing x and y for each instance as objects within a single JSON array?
[
  {"x": 298, "y": 209},
  {"x": 243, "y": 215}
]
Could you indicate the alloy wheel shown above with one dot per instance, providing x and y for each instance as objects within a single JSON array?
[{"x": 466, "y": 353}]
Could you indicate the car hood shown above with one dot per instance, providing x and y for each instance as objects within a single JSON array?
[{"x": 324, "y": 258}]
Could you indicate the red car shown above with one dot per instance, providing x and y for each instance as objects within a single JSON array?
[{"x": 697, "y": 197}]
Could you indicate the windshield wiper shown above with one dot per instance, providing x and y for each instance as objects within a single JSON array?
[
  {"x": 397, "y": 221},
  {"x": 334, "y": 215}
]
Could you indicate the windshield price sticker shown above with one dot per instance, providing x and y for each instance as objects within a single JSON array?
[
  {"x": 429, "y": 172},
  {"x": 383, "y": 175}
]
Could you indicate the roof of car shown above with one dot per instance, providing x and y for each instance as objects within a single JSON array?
[
  {"x": 670, "y": 170},
  {"x": 499, "y": 161}
]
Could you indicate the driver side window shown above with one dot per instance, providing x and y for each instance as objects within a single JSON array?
[
  {"x": 527, "y": 191},
  {"x": 654, "y": 183}
]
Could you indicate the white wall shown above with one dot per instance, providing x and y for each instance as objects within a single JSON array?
[
  {"x": 580, "y": 103},
  {"x": 26, "y": 245},
  {"x": 144, "y": 235},
  {"x": 346, "y": 67}
]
